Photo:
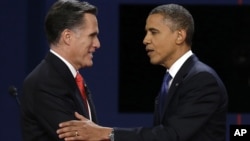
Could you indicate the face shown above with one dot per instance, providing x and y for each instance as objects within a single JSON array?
[
  {"x": 84, "y": 42},
  {"x": 160, "y": 41}
]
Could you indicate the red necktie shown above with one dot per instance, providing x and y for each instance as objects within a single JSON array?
[{"x": 80, "y": 82}]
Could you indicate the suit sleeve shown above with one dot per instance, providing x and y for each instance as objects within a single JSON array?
[
  {"x": 54, "y": 105},
  {"x": 194, "y": 103},
  {"x": 45, "y": 106}
]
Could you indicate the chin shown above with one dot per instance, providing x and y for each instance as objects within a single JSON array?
[
  {"x": 153, "y": 62},
  {"x": 86, "y": 65},
  {"x": 90, "y": 64}
]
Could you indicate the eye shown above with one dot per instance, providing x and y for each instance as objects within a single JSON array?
[
  {"x": 153, "y": 31},
  {"x": 93, "y": 35}
]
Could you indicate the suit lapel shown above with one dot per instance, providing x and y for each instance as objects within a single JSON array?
[
  {"x": 178, "y": 79},
  {"x": 65, "y": 73},
  {"x": 91, "y": 105}
]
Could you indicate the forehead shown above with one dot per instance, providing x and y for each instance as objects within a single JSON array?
[
  {"x": 156, "y": 21},
  {"x": 90, "y": 24},
  {"x": 90, "y": 20}
]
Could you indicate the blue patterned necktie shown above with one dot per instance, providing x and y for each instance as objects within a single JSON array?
[{"x": 164, "y": 91}]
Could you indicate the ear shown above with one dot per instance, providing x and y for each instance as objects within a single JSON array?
[
  {"x": 181, "y": 36},
  {"x": 66, "y": 36}
]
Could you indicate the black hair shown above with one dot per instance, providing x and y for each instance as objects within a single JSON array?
[{"x": 180, "y": 18}]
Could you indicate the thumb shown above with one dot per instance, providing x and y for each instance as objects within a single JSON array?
[{"x": 78, "y": 116}]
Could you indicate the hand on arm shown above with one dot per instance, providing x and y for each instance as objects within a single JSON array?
[{"x": 82, "y": 129}]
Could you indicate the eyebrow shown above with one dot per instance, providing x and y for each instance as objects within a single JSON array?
[
  {"x": 151, "y": 29},
  {"x": 94, "y": 34}
]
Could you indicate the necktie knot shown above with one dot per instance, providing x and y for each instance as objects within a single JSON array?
[
  {"x": 79, "y": 78},
  {"x": 167, "y": 77},
  {"x": 165, "y": 84},
  {"x": 80, "y": 84}
]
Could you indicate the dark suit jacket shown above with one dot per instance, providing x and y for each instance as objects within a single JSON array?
[
  {"x": 195, "y": 109},
  {"x": 50, "y": 96}
]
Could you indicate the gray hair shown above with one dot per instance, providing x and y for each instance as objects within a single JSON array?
[{"x": 66, "y": 14}]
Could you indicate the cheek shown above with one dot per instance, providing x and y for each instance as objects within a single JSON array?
[
  {"x": 82, "y": 53},
  {"x": 164, "y": 49},
  {"x": 83, "y": 48},
  {"x": 161, "y": 45}
]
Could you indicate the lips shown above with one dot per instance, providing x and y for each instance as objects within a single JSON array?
[
  {"x": 149, "y": 51},
  {"x": 91, "y": 53}
]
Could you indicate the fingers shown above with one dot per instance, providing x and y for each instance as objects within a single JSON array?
[
  {"x": 66, "y": 130},
  {"x": 73, "y": 122},
  {"x": 68, "y": 126},
  {"x": 68, "y": 123},
  {"x": 70, "y": 130},
  {"x": 68, "y": 136},
  {"x": 72, "y": 138}
]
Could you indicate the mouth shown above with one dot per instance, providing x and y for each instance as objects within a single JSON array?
[
  {"x": 149, "y": 51},
  {"x": 91, "y": 54}
]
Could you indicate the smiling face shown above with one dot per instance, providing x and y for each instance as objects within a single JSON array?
[
  {"x": 163, "y": 45},
  {"x": 84, "y": 43},
  {"x": 77, "y": 45}
]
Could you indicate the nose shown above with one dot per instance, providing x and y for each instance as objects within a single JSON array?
[
  {"x": 97, "y": 43},
  {"x": 146, "y": 40}
]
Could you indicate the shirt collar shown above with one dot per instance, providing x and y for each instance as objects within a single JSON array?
[
  {"x": 177, "y": 65},
  {"x": 71, "y": 68}
]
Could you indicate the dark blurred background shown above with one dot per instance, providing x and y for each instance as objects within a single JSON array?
[
  {"x": 122, "y": 81},
  {"x": 221, "y": 40}
]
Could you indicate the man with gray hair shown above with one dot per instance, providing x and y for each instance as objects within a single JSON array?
[
  {"x": 54, "y": 90},
  {"x": 192, "y": 104}
]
